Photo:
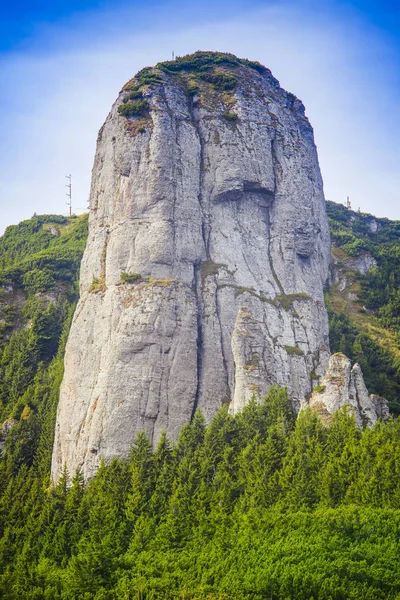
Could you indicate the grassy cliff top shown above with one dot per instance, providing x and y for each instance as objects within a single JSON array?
[
  {"x": 204, "y": 74},
  {"x": 207, "y": 60}
]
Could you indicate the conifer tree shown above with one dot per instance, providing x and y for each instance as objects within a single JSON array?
[{"x": 299, "y": 477}]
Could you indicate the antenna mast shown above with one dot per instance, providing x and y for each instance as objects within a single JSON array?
[{"x": 69, "y": 193}]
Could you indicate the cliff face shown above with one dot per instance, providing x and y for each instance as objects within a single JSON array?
[
  {"x": 343, "y": 385},
  {"x": 202, "y": 280}
]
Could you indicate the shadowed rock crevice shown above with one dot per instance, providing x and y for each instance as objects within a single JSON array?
[{"x": 199, "y": 340}]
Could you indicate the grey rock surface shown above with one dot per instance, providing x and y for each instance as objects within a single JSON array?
[
  {"x": 364, "y": 263},
  {"x": 5, "y": 429},
  {"x": 343, "y": 385},
  {"x": 224, "y": 219},
  {"x": 343, "y": 265},
  {"x": 373, "y": 225}
]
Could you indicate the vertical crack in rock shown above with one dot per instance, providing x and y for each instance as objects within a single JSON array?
[
  {"x": 270, "y": 258},
  {"x": 198, "y": 281},
  {"x": 199, "y": 338},
  {"x": 224, "y": 360}
]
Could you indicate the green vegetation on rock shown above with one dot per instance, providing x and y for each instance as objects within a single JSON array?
[
  {"x": 203, "y": 61},
  {"x": 286, "y": 300},
  {"x": 209, "y": 268},
  {"x": 98, "y": 285},
  {"x": 294, "y": 351},
  {"x": 146, "y": 76},
  {"x": 210, "y": 75},
  {"x": 319, "y": 388},
  {"x": 230, "y": 117},
  {"x": 130, "y": 277},
  {"x": 135, "y": 108}
]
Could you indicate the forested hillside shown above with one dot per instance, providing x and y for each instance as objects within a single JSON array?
[
  {"x": 363, "y": 299},
  {"x": 39, "y": 264},
  {"x": 254, "y": 506}
]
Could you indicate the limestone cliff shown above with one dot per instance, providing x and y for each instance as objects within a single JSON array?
[
  {"x": 202, "y": 280},
  {"x": 343, "y": 385}
]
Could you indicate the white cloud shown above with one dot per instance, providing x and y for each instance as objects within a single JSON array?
[{"x": 53, "y": 102}]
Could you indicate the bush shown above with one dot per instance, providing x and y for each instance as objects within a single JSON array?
[
  {"x": 199, "y": 61},
  {"x": 137, "y": 108},
  {"x": 319, "y": 388},
  {"x": 220, "y": 80},
  {"x": 203, "y": 61},
  {"x": 147, "y": 76},
  {"x": 97, "y": 285},
  {"x": 230, "y": 117},
  {"x": 193, "y": 87},
  {"x": 133, "y": 95}
]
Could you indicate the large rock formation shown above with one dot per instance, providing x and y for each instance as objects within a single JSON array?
[
  {"x": 202, "y": 281},
  {"x": 343, "y": 385}
]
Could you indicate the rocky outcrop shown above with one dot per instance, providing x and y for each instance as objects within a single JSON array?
[
  {"x": 344, "y": 269},
  {"x": 364, "y": 263},
  {"x": 5, "y": 429},
  {"x": 343, "y": 385},
  {"x": 202, "y": 280}
]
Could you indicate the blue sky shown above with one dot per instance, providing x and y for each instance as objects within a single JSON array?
[{"x": 63, "y": 63}]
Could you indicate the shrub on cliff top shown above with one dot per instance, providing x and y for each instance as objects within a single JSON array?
[
  {"x": 135, "y": 94},
  {"x": 147, "y": 76},
  {"x": 136, "y": 108},
  {"x": 220, "y": 80},
  {"x": 201, "y": 65},
  {"x": 198, "y": 61},
  {"x": 201, "y": 61}
]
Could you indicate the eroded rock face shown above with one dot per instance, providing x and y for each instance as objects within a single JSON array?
[
  {"x": 344, "y": 268},
  {"x": 345, "y": 385},
  {"x": 216, "y": 200}
]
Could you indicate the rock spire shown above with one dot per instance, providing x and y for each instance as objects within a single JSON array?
[
  {"x": 343, "y": 385},
  {"x": 202, "y": 280}
]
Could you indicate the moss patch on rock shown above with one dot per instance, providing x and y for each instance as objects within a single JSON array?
[{"x": 294, "y": 351}]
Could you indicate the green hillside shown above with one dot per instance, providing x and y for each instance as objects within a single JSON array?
[
  {"x": 39, "y": 265},
  {"x": 364, "y": 309},
  {"x": 257, "y": 506}
]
